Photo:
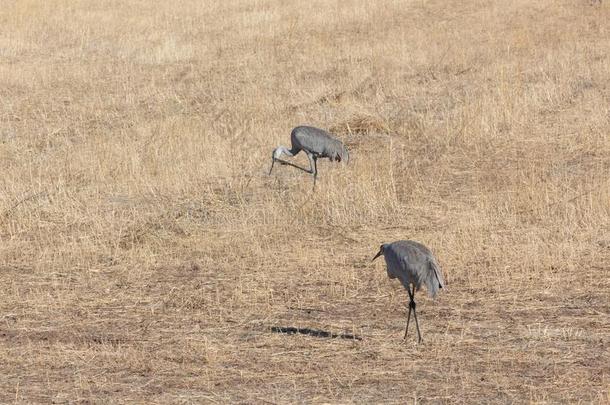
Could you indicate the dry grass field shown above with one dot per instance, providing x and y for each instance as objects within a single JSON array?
[{"x": 147, "y": 256}]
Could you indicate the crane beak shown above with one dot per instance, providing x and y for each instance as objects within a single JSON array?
[
  {"x": 377, "y": 255},
  {"x": 272, "y": 163}
]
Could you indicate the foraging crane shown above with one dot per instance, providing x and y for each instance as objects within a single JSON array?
[
  {"x": 413, "y": 264},
  {"x": 316, "y": 143}
]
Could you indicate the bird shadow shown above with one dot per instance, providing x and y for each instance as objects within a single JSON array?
[{"x": 291, "y": 330}]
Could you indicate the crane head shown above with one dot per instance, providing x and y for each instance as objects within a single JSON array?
[
  {"x": 277, "y": 152},
  {"x": 378, "y": 253}
]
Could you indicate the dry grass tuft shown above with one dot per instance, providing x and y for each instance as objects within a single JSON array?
[
  {"x": 363, "y": 124},
  {"x": 146, "y": 255}
]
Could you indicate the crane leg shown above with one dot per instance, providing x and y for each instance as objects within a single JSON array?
[
  {"x": 412, "y": 306},
  {"x": 419, "y": 339},
  {"x": 272, "y": 163},
  {"x": 286, "y": 163},
  {"x": 408, "y": 319},
  {"x": 313, "y": 167}
]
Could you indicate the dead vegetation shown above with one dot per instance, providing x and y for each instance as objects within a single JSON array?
[{"x": 146, "y": 256}]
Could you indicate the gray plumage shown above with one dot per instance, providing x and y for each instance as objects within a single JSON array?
[
  {"x": 316, "y": 143},
  {"x": 414, "y": 265}
]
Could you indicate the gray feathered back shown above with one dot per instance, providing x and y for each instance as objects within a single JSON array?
[
  {"x": 412, "y": 262},
  {"x": 320, "y": 142}
]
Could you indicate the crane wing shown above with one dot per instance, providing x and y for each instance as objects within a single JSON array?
[
  {"x": 435, "y": 280},
  {"x": 413, "y": 263},
  {"x": 319, "y": 142}
]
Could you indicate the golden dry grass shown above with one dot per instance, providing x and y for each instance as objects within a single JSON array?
[{"x": 146, "y": 255}]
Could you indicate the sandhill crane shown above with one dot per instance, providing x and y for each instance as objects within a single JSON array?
[
  {"x": 413, "y": 264},
  {"x": 316, "y": 143}
]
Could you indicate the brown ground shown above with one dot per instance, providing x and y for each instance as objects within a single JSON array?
[{"x": 146, "y": 255}]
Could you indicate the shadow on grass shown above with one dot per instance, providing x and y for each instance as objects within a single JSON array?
[{"x": 290, "y": 330}]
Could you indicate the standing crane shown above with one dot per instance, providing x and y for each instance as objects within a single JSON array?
[
  {"x": 413, "y": 264},
  {"x": 316, "y": 143}
]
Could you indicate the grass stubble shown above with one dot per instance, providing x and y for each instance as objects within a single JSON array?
[{"x": 146, "y": 256}]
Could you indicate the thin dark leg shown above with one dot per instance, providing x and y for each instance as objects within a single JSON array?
[
  {"x": 408, "y": 319},
  {"x": 411, "y": 306},
  {"x": 272, "y": 163},
  {"x": 310, "y": 157},
  {"x": 419, "y": 339},
  {"x": 283, "y": 162},
  {"x": 313, "y": 169}
]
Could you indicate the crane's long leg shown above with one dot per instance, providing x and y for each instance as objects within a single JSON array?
[
  {"x": 283, "y": 162},
  {"x": 412, "y": 306},
  {"x": 419, "y": 339},
  {"x": 313, "y": 167},
  {"x": 408, "y": 319}
]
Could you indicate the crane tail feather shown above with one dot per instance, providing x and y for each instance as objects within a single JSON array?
[{"x": 436, "y": 282}]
